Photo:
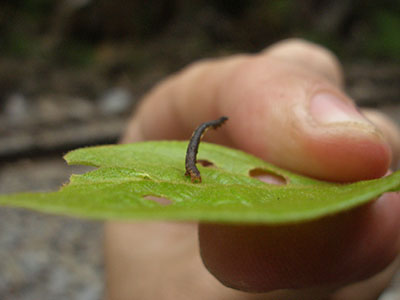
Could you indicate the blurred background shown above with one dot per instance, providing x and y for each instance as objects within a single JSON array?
[{"x": 72, "y": 71}]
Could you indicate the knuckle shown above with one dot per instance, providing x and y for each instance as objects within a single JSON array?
[{"x": 310, "y": 55}]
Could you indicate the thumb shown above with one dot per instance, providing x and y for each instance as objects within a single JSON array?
[
  {"x": 280, "y": 109},
  {"x": 294, "y": 117}
]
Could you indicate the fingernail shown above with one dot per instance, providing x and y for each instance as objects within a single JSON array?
[{"x": 327, "y": 108}]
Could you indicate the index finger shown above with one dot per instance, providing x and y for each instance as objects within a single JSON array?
[{"x": 284, "y": 112}]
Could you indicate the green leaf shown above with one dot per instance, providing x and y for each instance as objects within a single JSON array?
[{"x": 128, "y": 174}]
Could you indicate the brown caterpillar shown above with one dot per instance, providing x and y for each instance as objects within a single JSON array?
[{"x": 193, "y": 147}]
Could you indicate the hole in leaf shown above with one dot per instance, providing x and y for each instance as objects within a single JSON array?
[
  {"x": 160, "y": 200},
  {"x": 267, "y": 176},
  {"x": 205, "y": 163}
]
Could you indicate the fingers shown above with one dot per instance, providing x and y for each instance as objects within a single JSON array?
[
  {"x": 298, "y": 121},
  {"x": 330, "y": 252},
  {"x": 279, "y": 109},
  {"x": 285, "y": 106},
  {"x": 177, "y": 105}
]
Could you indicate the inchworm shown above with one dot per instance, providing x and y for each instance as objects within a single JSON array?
[{"x": 193, "y": 147}]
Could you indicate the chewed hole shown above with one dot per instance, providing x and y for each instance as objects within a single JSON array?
[
  {"x": 205, "y": 163},
  {"x": 160, "y": 200},
  {"x": 267, "y": 177}
]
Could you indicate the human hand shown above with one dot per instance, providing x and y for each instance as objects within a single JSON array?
[{"x": 285, "y": 106}]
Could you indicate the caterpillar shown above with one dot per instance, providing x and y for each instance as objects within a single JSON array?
[{"x": 193, "y": 147}]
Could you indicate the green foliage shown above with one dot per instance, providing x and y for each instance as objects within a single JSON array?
[
  {"x": 385, "y": 41},
  {"x": 78, "y": 54},
  {"x": 356, "y": 30},
  {"x": 127, "y": 174},
  {"x": 20, "y": 46}
]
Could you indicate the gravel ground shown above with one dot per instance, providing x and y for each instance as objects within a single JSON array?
[{"x": 43, "y": 256}]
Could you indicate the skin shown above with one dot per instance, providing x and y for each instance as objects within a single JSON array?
[{"x": 267, "y": 97}]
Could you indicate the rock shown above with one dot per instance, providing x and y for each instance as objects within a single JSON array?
[
  {"x": 115, "y": 101},
  {"x": 44, "y": 256},
  {"x": 17, "y": 108},
  {"x": 54, "y": 108}
]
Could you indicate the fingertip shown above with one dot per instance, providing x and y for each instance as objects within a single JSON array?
[
  {"x": 347, "y": 155},
  {"x": 345, "y": 145}
]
